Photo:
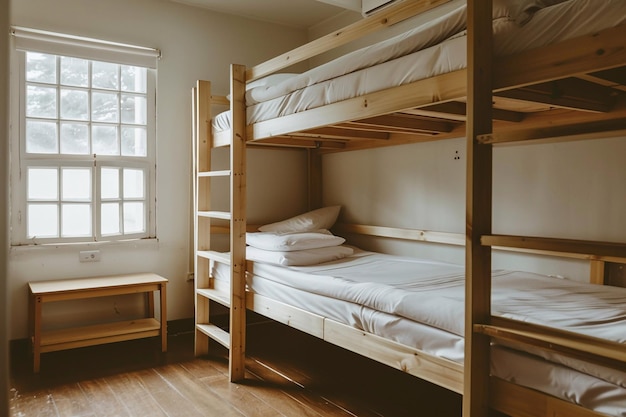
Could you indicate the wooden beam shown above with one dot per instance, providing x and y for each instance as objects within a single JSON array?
[
  {"x": 385, "y": 18},
  {"x": 590, "y": 53},
  {"x": 344, "y": 132},
  {"x": 406, "y": 123},
  {"x": 576, "y": 345},
  {"x": 600, "y": 249},
  {"x": 457, "y": 110},
  {"x": 398, "y": 233},
  {"x": 613, "y": 77},
  {"x": 237, "y": 348},
  {"x": 478, "y": 208},
  {"x": 296, "y": 141},
  {"x": 569, "y": 93},
  {"x": 575, "y": 131}
]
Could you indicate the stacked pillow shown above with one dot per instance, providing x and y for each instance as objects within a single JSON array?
[{"x": 298, "y": 241}]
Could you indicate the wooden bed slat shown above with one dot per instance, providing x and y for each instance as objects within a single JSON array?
[{"x": 567, "y": 93}]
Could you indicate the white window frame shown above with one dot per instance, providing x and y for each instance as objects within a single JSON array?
[{"x": 63, "y": 45}]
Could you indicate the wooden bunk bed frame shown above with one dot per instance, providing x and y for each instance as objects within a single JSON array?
[{"x": 492, "y": 102}]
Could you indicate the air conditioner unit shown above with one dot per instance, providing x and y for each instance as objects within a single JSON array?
[{"x": 371, "y": 6}]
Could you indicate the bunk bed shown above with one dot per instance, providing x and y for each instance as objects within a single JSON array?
[{"x": 561, "y": 79}]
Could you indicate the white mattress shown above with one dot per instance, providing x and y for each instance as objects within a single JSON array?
[
  {"x": 421, "y": 304},
  {"x": 433, "y": 49}
]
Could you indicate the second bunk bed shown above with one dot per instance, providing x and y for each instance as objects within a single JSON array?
[{"x": 556, "y": 71}]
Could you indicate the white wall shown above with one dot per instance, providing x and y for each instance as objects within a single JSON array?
[
  {"x": 196, "y": 44},
  {"x": 569, "y": 190}
]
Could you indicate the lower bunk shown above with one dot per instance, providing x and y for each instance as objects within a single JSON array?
[{"x": 409, "y": 314}]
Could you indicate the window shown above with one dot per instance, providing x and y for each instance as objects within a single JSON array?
[{"x": 85, "y": 143}]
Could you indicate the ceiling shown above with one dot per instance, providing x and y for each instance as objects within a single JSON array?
[{"x": 294, "y": 13}]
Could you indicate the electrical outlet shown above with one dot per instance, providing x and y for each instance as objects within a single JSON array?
[{"x": 89, "y": 256}]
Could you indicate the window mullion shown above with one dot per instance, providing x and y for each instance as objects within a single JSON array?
[{"x": 96, "y": 199}]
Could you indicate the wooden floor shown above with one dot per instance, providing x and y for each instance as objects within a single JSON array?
[{"x": 289, "y": 374}]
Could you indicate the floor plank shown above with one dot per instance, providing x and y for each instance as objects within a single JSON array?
[
  {"x": 135, "y": 396},
  {"x": 70, "y": 400},
  {"x": 288, "y": 374}
]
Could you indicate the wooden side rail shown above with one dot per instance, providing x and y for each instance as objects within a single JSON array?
[
  {"x": 383, "y": 19},
  {"x": 84, "y": 288}
]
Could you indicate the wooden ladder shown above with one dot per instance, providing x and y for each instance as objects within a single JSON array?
[{"x": 210, "y": 225}]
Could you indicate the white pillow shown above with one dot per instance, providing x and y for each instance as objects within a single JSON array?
[
  {"x": 323, "y": 218},
  {"x": 520, "y": 10},
  {"x": 298, "y": 257},
  {"x": 293, "y": 241}
]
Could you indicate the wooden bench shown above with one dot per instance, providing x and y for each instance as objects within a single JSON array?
[{"x": 82, "y": 288}]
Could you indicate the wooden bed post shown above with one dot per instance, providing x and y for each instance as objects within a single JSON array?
[
  {"x": 201, "y": 191},
  {"x": 478, "y": 208},
  {"x": 237, "y": 353}
]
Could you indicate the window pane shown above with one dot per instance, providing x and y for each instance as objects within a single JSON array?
[
  {"x": 110, "y": 219},
  {"x": 133, "y": 183},
  {"x": 43, "y": 220},
  {"x": 105, "y": 75},
  {"x": 109, "y": 183},
  {"x": 74, "y": 139},
  {"x": 104, "y": 107},
  {"x": 104, "y": 140},
  {"x": 41, "y": 137},
  {"x": 41, "y": 102},
  {"x": 133, "y": 79},
  {"x": 43, "y": 184},
  {"x": 134, "y": 141},
  {"x": 134, "y": 109},
  {"x": 41, "y": 68},
  {"x": 74, "y": 104},
  {"x": 74, "y": 71},
  {"x": 76, "y": 220},
  {"x": 76, "y": 184},
  {"x": 133, "y": 218},
  {"x": 76, "y": 111}
]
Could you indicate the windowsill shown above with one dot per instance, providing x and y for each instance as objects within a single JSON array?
[{"x": 147, "y": 243}]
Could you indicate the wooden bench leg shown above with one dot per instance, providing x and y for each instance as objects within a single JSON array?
[
  {"x": 163, "y": 317},
  {"x": 36, "y": 332}
]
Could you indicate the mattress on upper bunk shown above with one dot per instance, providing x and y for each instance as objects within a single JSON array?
[
  {"x": 420, "y": 303},
  {"x": 435, "y": 48}
]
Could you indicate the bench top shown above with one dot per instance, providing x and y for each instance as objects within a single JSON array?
[{"x": 94, "y": 283}]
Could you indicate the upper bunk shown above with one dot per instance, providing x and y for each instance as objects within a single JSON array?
[{"x": 558, "y": 71}]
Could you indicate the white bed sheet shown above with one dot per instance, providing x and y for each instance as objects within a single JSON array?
[
  {"x": 332, "y": 83},
  {"x": 436, "y": 306}
]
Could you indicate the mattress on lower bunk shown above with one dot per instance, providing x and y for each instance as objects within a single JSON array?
[
  {"x": 370, "y": 70},
  {"x": 420, "y": 303}
]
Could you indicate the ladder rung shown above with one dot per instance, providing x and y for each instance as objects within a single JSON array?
[
  {"x": 215, "y": 333},
  {"x": 218, "y": 296},
  {"x": 222, "y": 173},
  {"x": 223, "y": 257},
  {"x": 224, "y": 215}
]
